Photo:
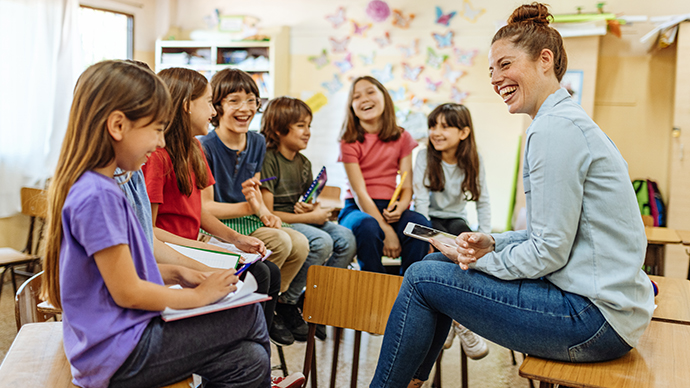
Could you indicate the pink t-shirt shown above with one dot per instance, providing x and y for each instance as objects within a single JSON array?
[{"x": 379, "y": 162}]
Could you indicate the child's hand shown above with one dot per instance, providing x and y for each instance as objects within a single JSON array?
[
  {"x": 320, "y": 214},
  {"x": 303, "y": 207},
  {"x": 252, "y": 193},
  {"x": 393, "y": 215},
  {"x": 217, "y": 285},
  {"x": 190, "y": 278},
  {"x": 250, "y": 245},
  {"x": 391, "y": 243},
  {"x": 271, "y": 220}
]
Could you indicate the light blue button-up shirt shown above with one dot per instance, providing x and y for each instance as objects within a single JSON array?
[{"x": 584, "y": 229}]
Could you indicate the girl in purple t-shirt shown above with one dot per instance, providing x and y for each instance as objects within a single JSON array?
[
  {"x": 99, "y": 267},
  {"x": 373, "y": 149}
]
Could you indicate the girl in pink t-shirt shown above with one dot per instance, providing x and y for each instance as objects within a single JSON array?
[{"x": 373, "y": 149}]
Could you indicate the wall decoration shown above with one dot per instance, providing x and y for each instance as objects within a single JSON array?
[
  {"x": 397, "y": 95},
  {"x": 444, "y": 18},
  {"x": 383, "y": 41},
  {"x": 433, "y": 59},
  {"x": 465, "y": 57},
  {"x": 378, "y": 10},
  {"x": 572, "y": 82},
  {"x": 360, "y": 29},
  {"x": 333, "y": 85},
  {"x": 368, "y": 60},
  {"x": 451, "y": 75},
  {"x": 320, "y": 60},
  {"x": 400, "y": 20},
  {"x": 339, "y": 46},
  {"x": 457, "y": 96},
  {"x": 431, "y": 85},
  {"x": 470, "y": 13},
  {"x": 411, "y": 73},
  {"x": 445, "y": 40},
  {"x": 316, "y": 102},
  {"x": 338, "y": 18},
  {"x": 411, "y": 50},
  {"x": 345, "y": 64},
  {"x": 384, "y": 75},
  {"x": 417, "y": 102}
]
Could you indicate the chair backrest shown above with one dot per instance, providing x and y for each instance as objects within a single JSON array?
[
  {"x": 27, "y": 300},
  {"x": 350, "y": 299},
  {"x": 34, "y": 202},
  {"x": 330, "y": 197}
]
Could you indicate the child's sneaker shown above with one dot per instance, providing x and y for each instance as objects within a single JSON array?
[
  {"x": 449, "y": 339},
  {"x": 295, "y": 380},
  {"x": 474, "y": 346}
]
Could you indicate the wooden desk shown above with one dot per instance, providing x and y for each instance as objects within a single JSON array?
[
  {"x": 659, "y": 361},
  {"x": 673, "y": 301},
  {"x": 657, "y": 238},
  {"x": 684, "y": 236}
]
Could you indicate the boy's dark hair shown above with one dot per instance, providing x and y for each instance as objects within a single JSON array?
[
  {"x": 229, "y": 81},
  {"x": 279, "y": 114}
]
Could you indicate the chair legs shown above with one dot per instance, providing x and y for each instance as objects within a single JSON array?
[{"x": 283, "y": 365}]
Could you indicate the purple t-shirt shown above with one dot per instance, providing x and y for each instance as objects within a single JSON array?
[{"x": 98, "y": 334}]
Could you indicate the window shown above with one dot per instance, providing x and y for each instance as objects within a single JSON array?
[{"x": 105, "y": 35}]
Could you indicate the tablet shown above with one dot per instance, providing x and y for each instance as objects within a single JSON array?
[{"x": 425, "y": 233}]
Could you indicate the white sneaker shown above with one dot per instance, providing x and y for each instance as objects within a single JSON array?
[
  {"x": 449, "y": 339},
  {"x": 474, "y": 346}
]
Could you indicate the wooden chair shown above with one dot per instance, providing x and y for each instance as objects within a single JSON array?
[
  {"x": 330, "y": 197},
  {"x": 34, "y": 205},
  {"x": 26, "y": 302},
  {"x": 346, "y": 299}
]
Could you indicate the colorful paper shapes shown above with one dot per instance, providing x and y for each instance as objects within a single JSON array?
[
  {"x": 411, "y": 50},
  {"x": 465, "y": 57},
  {"x": 378, "y": 10},
  {"x": 383, "y": 41},
  {"x": 338, "y": 18},
  {"x": 320, "y": 60},
  {"x": 316, "y": 102},
  {"x": 360, "y": 29},
  {"x": 445, "y": 40},
  {"x": 470, "y": 13},
  {"x": 339, "y": 46},
  {"x": 400, "y": 20},
  {"x": 411, "y": 73},
  {"x": 444, "y": 19},
  {"x": 417, "y": 102},
  {"x": 333, "y": 85},
  {"x": 451, "y": 75},
  {"x": 457, "y": 96},
  {"x": 397, "y": 95},
  {"x": 384, "y": 75},
  {"x": 431, "y": 85},
  {"x": 368, "y": 60},
  {"x": 433, "y": 59},
  {"x": 345, "y": 64}
]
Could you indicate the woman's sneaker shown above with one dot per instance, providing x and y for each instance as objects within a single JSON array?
[
  {"x": 474, "y": 346},
  {"x": 295, "y": 380}
]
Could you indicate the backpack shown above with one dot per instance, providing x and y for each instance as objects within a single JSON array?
[{"x": 650, "y": 201}]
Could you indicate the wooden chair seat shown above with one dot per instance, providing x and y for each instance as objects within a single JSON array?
[{"x": 673, "y": 301}]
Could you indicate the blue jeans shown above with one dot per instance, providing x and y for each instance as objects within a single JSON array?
[
  {"x": 370, "y": 236},
  {"x": 330, "y": 244},
  {"x": 529, "y": 316}
]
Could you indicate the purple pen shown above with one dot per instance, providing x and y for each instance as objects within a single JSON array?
[{"x": 268, "y": 179}]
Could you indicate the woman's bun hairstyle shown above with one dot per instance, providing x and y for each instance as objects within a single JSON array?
[{"x": 528, "y": 29}]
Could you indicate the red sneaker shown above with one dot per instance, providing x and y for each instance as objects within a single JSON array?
[{"x": 295, "y": 380}]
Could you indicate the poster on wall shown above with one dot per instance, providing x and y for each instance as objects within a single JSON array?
[{"x": 572, "y": 82}]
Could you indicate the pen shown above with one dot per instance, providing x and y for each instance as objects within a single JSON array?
[
  {"x": 244, "y": 268},
  {"x": 268, "y": 179}
]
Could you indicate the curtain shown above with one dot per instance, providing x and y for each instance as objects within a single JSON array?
[{"x": 39, "y": 66}]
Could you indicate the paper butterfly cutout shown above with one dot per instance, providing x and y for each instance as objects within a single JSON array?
[
  {"x": 457, "y": 96},
  {"x": 345, "y": 64},
  {"x": 465, "y": 57},
  {"x": 469, "y": 13},
  {"x": 339, "y": 46},
  {"x": 431, "y": 85},
  {"x": 417, "y": 102},
  {"x": 320, "y": 60},
  {"x": 333, "y": 85},
  {"x": 451, "y": 75},
  {"x": 411, "y": 73},
  {"x": 442, "y": 18},
  {"x": 360, "y": 29},
  {"x": 368, "y": 60},
  {"x": 384, "y": 75},
  {"x": 397, "y": 95},
  {"x": 338, "y": 18},
  {"x": 383, "y": 41},
  {"x": 435, "y": 60},
  {"x": 444, "y": 41},
  {"x": 411, "y": 50},
  {"x": 400, "y": 20}
]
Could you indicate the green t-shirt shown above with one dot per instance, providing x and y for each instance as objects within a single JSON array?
[{"x": 293, "y": 179}]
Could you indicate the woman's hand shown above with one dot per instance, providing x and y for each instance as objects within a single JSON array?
[
  {"x": 471, "y": 247},
  {"x": 250, "y": 245},
  {"x": 393, "y": 215},
  {"x": 217, "y": 285},
  {"x": 391, "y": 243}
]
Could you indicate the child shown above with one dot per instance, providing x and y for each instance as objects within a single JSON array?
[
  {"x": 373, "y": 149},
  {"x": 447, "y": 174},
  {"x": 175, "y": 175},
  {"x": 99, "y": 267},
  {"x": 235, "y": 155},
  {"x": 285, "y": 125}
]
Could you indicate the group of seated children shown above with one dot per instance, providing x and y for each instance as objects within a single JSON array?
[{"x": 214, "y": 185}]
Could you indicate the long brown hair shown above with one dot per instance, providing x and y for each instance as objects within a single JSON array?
[
  {"x": 458, "y": 116},
  {"x": 185, "y": 86},
  {"x": 352, "y": 131},
  {"x": 279, "y": 114},
  {"x": 528, "y": 29},
  {"x": 103, "y": 88}
]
